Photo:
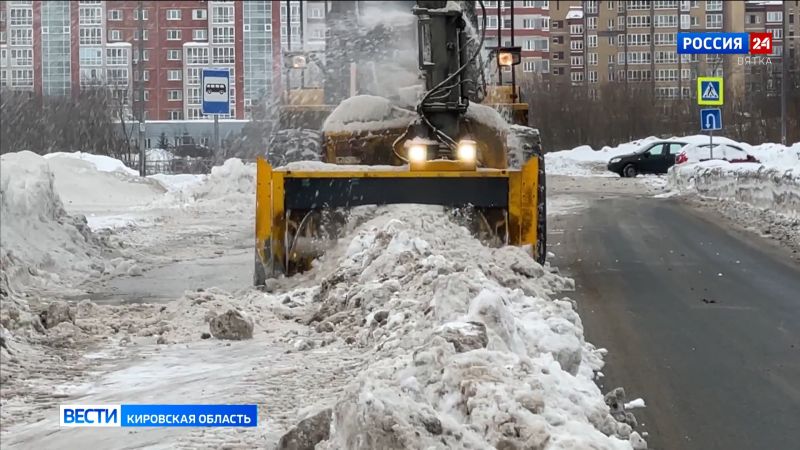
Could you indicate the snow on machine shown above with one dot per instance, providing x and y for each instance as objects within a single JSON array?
[{"x": 446, "y": 150}]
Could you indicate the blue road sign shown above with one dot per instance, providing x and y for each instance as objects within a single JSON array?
[
  {"x": 710, "y": 119},
  {"x": 216, "y": 91},
  {"x": 710, "y": 91}
]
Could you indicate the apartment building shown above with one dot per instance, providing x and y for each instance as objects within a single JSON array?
[
  {"x": 58, "y": 47},
  {"x": 635, "y": 42},
  {"x": 782, "y": 21}
]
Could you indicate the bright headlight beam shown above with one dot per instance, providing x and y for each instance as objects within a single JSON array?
[
  {"x": 417, "y": 153},
  {"x": 467, "y": 150}
]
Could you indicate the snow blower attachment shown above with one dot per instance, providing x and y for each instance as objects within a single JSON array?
[{"x": 450, "y": 151}]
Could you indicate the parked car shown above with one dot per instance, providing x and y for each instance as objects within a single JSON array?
[
  {"x": 725, "y": 152},
  {"x": 655, "y": 157}
]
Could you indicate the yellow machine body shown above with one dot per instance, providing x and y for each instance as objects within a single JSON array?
[{"x": 279, "y": 192}]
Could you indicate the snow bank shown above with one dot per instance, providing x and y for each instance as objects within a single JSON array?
[
  {"x": 93, "y": 184},
  {"x": 469, "y": 349},
  {"x": 230, "y": 187},
  {"x": 40, "y": 241},
  {"x": 100, "y": 162},
  {"x": 366, "y": 113},
  {"x": 754, "y": 184}
]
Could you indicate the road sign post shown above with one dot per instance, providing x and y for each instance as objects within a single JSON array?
[
  {"x": 710, "y": 92},
  {"x": 215, "y": 87}
]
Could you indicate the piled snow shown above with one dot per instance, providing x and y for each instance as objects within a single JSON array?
[
  {"x": 366, "y": 113},
  {"x": 100, "y": 162},
  {"x": 777, "y": 156},
  {"x": 177, "y": 182},
  {"x": 762, "y": 187},
  {"x": 90, "y": 184},
  {"x": 41, "y": 243},
  {"x": 230, "y": 187},
  {"x": 412, "y": 287}
]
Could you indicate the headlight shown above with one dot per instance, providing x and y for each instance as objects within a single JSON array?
[
  {"x": 615, "y": 160},
  {"x": 417, "y": 153},
  {"x": 467, "y": 150}
]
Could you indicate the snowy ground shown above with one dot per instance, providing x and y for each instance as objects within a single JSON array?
[{"x": 413, "y": 333}]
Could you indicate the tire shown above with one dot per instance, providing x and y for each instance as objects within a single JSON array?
[{"x": 629, "y": 171}]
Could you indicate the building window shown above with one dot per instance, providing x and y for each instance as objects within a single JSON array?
[
  {"x": 222, "y": 55},
  {"x": 116, "y": 56},
  {"x": 173, "y": 14},
  {"x": 86, "y": 36},
  {"x": 592, "y": 59},
  {"x": 576, "y": 60},
  {"x": 638, "y": 22},
  {"x": 591, "y": 41},
  {"x": 200, "y": 35},
  {"x": 224, "y": 14},
  {"x": 22, "y": 77},
  {"x": 576, "y": 29},
  {"x": 176, "y": 115},
  {"x": 174, "y": 95},
  {"x": 222, "y": 35},
  {"x": 145, "y": 14},
  {"x": 173, "y": 55},
  {"x": 146, "y": 77},
  {"x": 21, "y": 16},
  {"x": 666, "y": 57},
  {"x": 114, "y": 14},
  {"x": 576, "y": 45},
  {"x": 695, "y": 22},
  {"x": 666, "y": 21},
  {"x": 90, "y": 56},
  {"x": 713, "y": 5},
  {"x": 193, "y": 74},
  {"x": 315, "y": 13},
  {"x": 774, "y": 16},
  {"x": 21, "y": 57},
  {"x": 576, "y": 77},
  {"x": 173, "y": 75},
  {"x": 713, "y": 21},
  {"x": 777, "y": 33},
  {"x": 114, "y": 35},
  {"x": 753, "y": 19},
  {"x": 591, "y": 23},
  {"x": 199, "y": 14},
  {"x": 536, "y": 23},
  {"x": 196, "y": 55},
  {"x": 592, "y": 76},
  {"x": 193, "y": 96},
  {"x": 173, "y": 35},
  {"x": 665, "y": 4},
  {"x": 146, "y": 35},
  {"x": 665, "y": 38},
  {"x": 90, "y": 16}
]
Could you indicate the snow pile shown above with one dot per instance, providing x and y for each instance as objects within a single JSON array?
[
  {"x": 777, "y": 156},
  {"x": 100, "y": 162},
  {"x": 366, "y": 113},
  {"x": 231, "y": 186},
  {"x": 93, "y": 184},
  {"x": 41, "y": 243},
  {"x": 470, "y": 351},
  {"x": 177, "y": 182},
  {"x": 756, "y": 185}
]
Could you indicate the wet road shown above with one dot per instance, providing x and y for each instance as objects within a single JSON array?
[{"x": 701, "y": 321}]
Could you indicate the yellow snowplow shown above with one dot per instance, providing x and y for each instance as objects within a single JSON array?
[
  {"x": 447, "y": 150},
  {"x": 287, "y": 202}
]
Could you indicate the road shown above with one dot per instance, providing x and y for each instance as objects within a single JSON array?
[{"x": 701, "y": 320}]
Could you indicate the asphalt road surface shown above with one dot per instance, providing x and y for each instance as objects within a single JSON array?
[{"x": 701, "y": 320}]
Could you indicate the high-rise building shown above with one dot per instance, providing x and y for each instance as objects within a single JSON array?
[
  {"x": 531, "y": 30},
  {"x": 635, "y": 42}
]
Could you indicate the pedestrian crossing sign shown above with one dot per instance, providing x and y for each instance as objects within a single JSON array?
[{"x": 710, "y": 90}]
